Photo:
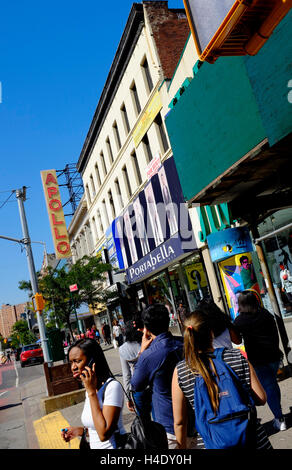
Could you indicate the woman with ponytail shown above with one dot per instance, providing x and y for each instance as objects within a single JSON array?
[{"x": 198, "y": 347}]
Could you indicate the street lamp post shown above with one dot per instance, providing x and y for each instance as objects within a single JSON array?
[{"x": 20, "y": 195}]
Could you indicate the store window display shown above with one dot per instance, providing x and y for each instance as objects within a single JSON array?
[{"x": 278, "y": 254}]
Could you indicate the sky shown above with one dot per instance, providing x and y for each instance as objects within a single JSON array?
[{"x": 54, "y": 60}]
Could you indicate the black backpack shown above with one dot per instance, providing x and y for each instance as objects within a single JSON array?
[{"x": 147, "y": 435}]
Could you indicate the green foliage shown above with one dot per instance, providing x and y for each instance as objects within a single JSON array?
[
  {"x": 21, "y": 334},
  {"x": 89, "y": 275}
]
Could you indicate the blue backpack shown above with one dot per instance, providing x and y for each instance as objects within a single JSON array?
[{"x": 234, "y": 424}]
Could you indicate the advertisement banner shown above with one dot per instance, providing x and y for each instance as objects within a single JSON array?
[
  {"x": 237, "y": 274},
  {"x": 147, "y": 118},
  {"x": 158, "y": 214},
  {"x": 196, "y": 276},
  {"x": 229, "y": 242},
  {"x": 56, "y": 214}
]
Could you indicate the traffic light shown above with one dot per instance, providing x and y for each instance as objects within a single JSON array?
[{"x": 38, "y": 302}]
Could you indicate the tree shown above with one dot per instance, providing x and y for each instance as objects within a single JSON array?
[
  {"x": 21, "y": 334},
  {"x": 89, "y": 275}
]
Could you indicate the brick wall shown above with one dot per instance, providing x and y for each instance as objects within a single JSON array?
[
  {"x": 170, "y": 31},
  {"x": 9, "y": 314}
]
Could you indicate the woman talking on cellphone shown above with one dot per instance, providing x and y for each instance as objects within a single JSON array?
[{"x": 104, "y": 399}]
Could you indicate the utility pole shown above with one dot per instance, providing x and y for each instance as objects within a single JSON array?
[{"x": 21, "y": 197}]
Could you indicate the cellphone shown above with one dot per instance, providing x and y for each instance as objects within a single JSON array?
[{"x": 90, "y": 364}]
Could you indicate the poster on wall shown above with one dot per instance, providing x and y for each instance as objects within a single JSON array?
[
  {"x": 140, "y": 225},
  {"x": 130, "y": 236},
  {"x": 153, "y": 215},
  {"x": 170, "y": 207},
  {"x": 196, "y": 276},
  {"x": 238, "y": 274}
]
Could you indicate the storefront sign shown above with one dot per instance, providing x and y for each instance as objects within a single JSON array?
[
  {"x": 56, "y": 214},
  {"x": 161, "y": 256},
  {"x": 229, "y": 242},
  {"x": 146, "y": 120}
]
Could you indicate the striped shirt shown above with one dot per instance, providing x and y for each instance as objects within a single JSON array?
[{"x": 234, "y": 358}]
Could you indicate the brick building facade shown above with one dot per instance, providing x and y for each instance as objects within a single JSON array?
[{"x": 9, "y": 314}]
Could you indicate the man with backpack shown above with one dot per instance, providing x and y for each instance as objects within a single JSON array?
[{"x": 159, "y": 354}]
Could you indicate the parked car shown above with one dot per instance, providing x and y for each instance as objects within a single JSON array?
[{"x": 31, "y": 354}]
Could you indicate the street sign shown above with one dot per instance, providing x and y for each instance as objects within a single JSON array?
[{"x": 73, "y": 288}]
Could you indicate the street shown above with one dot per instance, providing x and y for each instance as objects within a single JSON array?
[{"x": 12, "y": 419}]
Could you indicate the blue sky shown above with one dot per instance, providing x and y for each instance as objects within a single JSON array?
[{"x": 54, "y": 60}]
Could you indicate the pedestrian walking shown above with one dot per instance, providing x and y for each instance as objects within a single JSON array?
[
  {"x": 90, "y": 333},
  {"x": 261, "y": 340},
  {"x": 102, "y": 412},
  {"x": 129, "y": 354},
  {"x": 106, "y": 333},
  {"x": 117, "y": 333},
  {"x": 223, "y": 329},
  {"x": 8, "y": 357},
  {"x": 160, "y": 352},
  {"x": 198, "y": 362},
  {"x": 181, "y": 315}
]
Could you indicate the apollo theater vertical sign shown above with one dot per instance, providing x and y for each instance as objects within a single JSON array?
[{"x": 56, "y": 214}]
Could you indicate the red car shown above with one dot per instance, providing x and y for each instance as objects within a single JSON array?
[{"x": 31, "y": 354}]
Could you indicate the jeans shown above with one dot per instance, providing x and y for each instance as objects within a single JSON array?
[{"x": 267, "y": 375}]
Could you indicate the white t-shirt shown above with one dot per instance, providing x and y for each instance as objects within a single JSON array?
[
  {"x": 114, "y": 396},
  {"x": 117, "y": 331}
]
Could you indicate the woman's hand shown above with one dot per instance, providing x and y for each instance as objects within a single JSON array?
[
  {"x": 89, "y": 379},
  {"x": 70, "y": 433}
]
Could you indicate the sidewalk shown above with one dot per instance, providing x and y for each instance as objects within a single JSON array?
[{"x": 43, "y": 430}]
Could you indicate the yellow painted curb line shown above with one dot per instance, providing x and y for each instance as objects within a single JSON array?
[{"x": 48, "y": 432}]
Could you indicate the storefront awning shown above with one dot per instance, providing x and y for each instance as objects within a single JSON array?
[{"x": 257, "y": 180}]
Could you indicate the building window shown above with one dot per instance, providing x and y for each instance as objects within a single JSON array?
[
  {"x": 161, "y": 132},
  {"x": 100, "y": 221},
  {"x": 118, "y": 192},
  {"x": 125, "y": 118},
  {"x": 88, "y": 194},
  {"x": 109, "y": 149},
  {"x": 117, "y": 136},
  {"x": 92, "y": 186},
  {"x": 147, "y": 148},
  {"x": 127, "y": 181},
  {"x": 103, "y": 164},
  {"x": 136, "y": 168},
  {"x": 135, "y": 98},
  {"x": 105, "y": 212},
  {"x": 112, "y": 206},
  {"x": 94, "y": 228},
  {"x": 147, "y": 75},
  {"x": 97, "y": 175}
]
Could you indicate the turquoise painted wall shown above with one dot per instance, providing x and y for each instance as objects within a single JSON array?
[
  {"x": 214, "y": 123},
  {"x": 229, "y": 107},
  {"x": 269, "y": 73}
]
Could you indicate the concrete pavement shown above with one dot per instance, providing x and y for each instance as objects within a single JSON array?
[{"x": 43, "y": 429}]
